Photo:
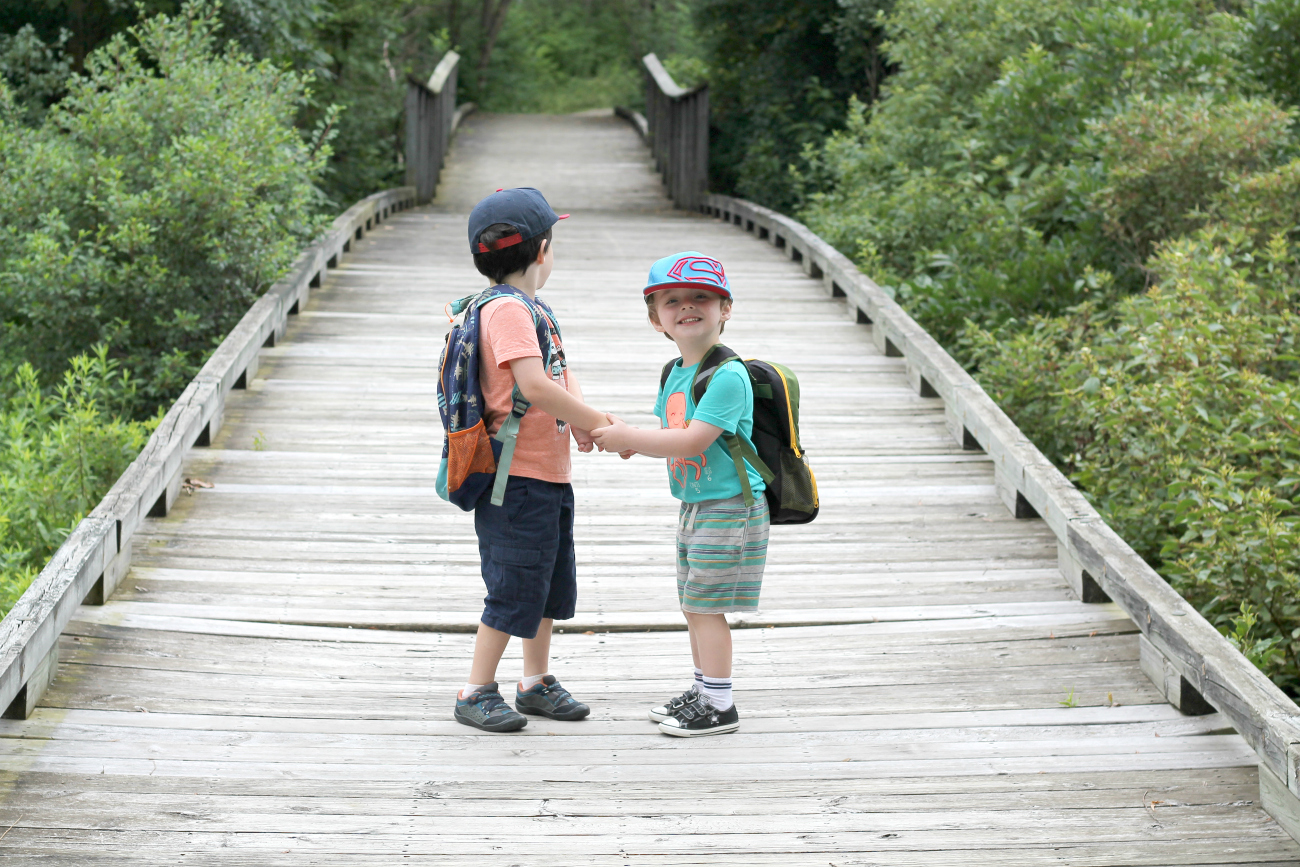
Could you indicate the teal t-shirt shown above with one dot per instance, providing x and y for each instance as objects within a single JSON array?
[{"x": 728, "y": 404}]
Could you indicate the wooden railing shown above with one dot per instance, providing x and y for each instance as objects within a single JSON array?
[
  {"x": 431, "y": 118},
  {"x": 677, "y": 122},
  {"x": 97, "y": 554},
  {"x": 1188, "y": 660}
]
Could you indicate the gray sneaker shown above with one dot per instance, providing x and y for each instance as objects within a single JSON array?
[
  {"x": 668, "y": 709},
  {"x": 549, "y": 699},
  {"x": 485, "y": 709}
]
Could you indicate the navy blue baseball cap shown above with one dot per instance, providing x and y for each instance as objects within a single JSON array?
[{"x": 524, "y": 208}]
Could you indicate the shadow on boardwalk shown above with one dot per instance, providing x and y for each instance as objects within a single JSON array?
[{"x": 229, "y": 704}]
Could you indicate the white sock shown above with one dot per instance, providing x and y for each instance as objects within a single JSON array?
[
  {"x": 469, "y": 688},
  {"x": 532, "y": 680},
  {"x": 718, "y": 691},
  {"x": 699, "y": 679}
]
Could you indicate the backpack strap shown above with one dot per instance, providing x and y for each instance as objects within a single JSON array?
[
  {"x": 663, "y": 374},
  {"x": 709, "y": 364},
  {"x": 508, "y": 436},
  {"x": 740, "y": 450}
]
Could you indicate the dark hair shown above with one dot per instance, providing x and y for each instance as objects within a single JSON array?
[
  {"x": 650, "y": 312},
  {"x": 497, "y": 265}
]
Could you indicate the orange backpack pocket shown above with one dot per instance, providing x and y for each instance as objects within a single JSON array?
[{"x": 469, "y": 451}]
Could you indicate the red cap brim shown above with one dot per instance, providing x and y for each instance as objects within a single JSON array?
[
  {"x": 563, "y": 216},
  {"x": 687, "y": 284}
]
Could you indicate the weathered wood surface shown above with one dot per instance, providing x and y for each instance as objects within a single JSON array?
[{"x": 227, "y": 706}]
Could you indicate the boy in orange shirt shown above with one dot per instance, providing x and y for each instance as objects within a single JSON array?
[{"x": 526, "y": 543}]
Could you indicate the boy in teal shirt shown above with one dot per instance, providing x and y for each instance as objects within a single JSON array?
[{"x": 721, "y": 541}]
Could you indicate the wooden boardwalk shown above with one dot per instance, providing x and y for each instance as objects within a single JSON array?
[{"x": 903, "y": 693}]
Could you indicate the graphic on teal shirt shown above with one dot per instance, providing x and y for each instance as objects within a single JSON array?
[{"x": 728, "y": 404}]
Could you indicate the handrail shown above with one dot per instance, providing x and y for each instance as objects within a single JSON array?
[
  {"x": 678, "y": 123},
  {"x": 665, "y": 81},
  {"x": 1096, "y": 562},
  {"x": 431, "y": 119},
  {"x": 97, "y": 554},
  {"x": 443, "y": 71}
]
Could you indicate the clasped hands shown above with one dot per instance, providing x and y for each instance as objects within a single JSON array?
[{"x": 611, "y": 438}]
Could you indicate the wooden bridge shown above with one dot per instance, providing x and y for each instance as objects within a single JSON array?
[{"x": 272, "y": 681}]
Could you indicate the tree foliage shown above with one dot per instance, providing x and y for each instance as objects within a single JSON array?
[
  {"x": 145, "y": 213},
  {"x": 156, "y": 202},
  {"x": 779, "y": 75}
]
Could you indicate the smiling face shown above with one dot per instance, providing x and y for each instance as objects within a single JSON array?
[{"x": 690, "y": 315}]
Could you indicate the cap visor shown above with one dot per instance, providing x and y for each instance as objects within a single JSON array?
[
  {"x": 561, "y": 216},
  {"x": 685, "y": 284}
]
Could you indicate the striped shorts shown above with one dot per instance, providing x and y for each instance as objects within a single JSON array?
[{"x": 721, "y": 549}]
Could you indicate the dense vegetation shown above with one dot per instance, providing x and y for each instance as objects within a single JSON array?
[
  {"x": 140, "y": 216},
  {"x": 1095, "y": 206}
]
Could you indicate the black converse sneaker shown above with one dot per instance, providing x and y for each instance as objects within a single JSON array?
[
  {"x": 697, "y": 718},
  {"x": 666, "y": 710}
]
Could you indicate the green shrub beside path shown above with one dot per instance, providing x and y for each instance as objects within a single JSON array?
[
  {"x": 1095, "y": 207},
  {"x": 146, "y": 213}
]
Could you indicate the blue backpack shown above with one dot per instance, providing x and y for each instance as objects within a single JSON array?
[{"x": 471, "y": 460}]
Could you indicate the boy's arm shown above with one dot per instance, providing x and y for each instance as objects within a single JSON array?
[
  {"x": 619, "y": 436},
  {"x": 550, "y": 397},
  {"x": 581, "y": 436}
]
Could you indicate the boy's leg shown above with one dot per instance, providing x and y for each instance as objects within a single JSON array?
[
  {"x": 695, "y": 644},
  {"x": 539, "y": 692},
  {"x": 711, "y": 710},
  {"x": 710, "y": 643},
  {"x": 489, "y": 645},
  {"x": 537, "y": 651},
  {"x": 479, "y": 702},
  {"x": 713, "y": 640},
  {"x": 510, "y": 556}
]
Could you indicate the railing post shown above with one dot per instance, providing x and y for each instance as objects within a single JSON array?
[
  {"x": 430, "y": 122},
  {"x": 679, "y": 134}
]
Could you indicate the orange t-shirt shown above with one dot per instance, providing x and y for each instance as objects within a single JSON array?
[{"x": 506, "y": 332}]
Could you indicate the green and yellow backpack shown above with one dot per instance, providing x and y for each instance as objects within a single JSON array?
[{"x": 776, "y": 455}]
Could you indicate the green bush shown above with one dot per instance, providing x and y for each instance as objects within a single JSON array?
[
  {"x": 1095, "y": 206},
  {"x": 61, "y": 449},
  {"x": 779, "y": 74},
  {"x": 143, "y": 215},
  {"x": 1021, "y": 144},
  {"x": 1164, "y": 161},
  {"x": 157, "y": 201},
  {"x": 1178, "y": 413},
  {"x": 35, "y": 71}
]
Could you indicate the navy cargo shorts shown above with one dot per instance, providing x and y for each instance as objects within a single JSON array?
[{"x": 526, "y": 547}]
